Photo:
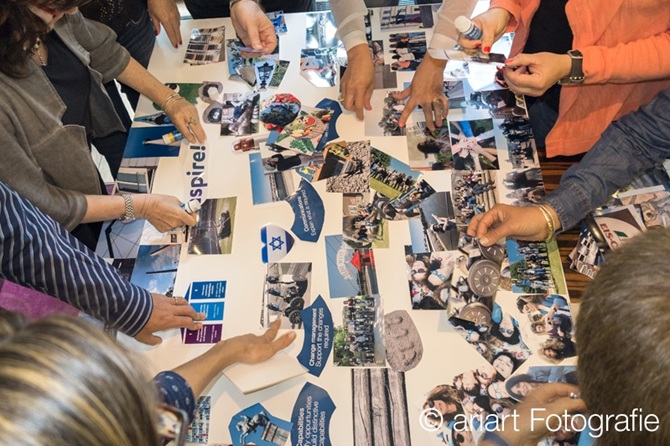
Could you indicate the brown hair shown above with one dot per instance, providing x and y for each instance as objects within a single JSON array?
[
  {"x": 624, "y": 354},
  {"x": 20, "y": 30}
]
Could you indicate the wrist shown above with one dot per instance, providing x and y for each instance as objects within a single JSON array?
[{"x": 234, "y": 2}]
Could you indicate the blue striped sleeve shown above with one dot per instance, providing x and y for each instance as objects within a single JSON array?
[
  {"x": 39, "y": 253},
  {"x": 175, "y": 391}
]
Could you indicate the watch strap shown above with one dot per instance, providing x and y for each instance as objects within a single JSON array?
[
  {"x": 129, "y": 214},
  {"x": 576, "y": 75}
]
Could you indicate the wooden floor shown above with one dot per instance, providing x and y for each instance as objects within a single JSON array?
[{"x": 552, "y": 170}]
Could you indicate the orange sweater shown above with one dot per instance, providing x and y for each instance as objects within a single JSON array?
[{"x": 626, "y": 48}]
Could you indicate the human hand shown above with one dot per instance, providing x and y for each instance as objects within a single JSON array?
[
  {"x": 250, "y": 348},
  {"x": 162, "y": 211},
  {"x": 358, "y": 80},
  {"x": 533, "y": 420},
  {"x": 533, "y": 74},
  {"x": 253, "y": 26},
  {"x": 524, "y": 223},
  {"x": 168, "y": 312},
  {"x": 426, "y": 90},
  {"x": 185, "y": 117},
  {"x": 493, "y": 24},
  {"x": 165, "y": 12}
]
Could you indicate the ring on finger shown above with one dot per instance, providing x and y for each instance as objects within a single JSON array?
[
  {"x": 176, "y": 300},
  {"x": 192, "y": 121}
]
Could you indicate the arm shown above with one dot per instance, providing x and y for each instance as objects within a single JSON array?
[
  {"x": 628, "y": 147},
  {"x": 248, "y": 348},
  {"x": 358, "y": 80},
  {"x": 42, "y": 255}
]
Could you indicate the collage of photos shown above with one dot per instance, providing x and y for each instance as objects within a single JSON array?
[
  {"x": 286, "y": 292},
  {"x": 410, "y": 16},
  {"x": 359, "y": 342}
]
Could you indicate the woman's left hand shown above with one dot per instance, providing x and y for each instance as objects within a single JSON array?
[
  {"x": 162, "y": 211},
  {"x": 184, "y": 116},
  {"x": 534, "y": 74},
  {"x": 251, "y": 348}
]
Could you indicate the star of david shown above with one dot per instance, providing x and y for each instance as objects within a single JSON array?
[{"x": 276, "y": 243}]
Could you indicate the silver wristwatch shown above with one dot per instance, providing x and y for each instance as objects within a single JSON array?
[{"x": 129, "y": 215}]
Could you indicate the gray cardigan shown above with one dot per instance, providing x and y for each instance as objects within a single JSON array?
[{"x": 46, "y": 162}]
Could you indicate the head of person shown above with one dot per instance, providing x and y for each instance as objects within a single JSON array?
[
  {"x": 22, "y": 24},
  {"x": 507, "y": 331},
  {"x": 467, "y": 382},
  {"x": 486, "y": 374},
  {"x": 444, "y": 399},
  {"x": 504, "y": 363},
  {"x": 623, "y": 324},
  {"x": 502, "y": 407},
  {"x": 518, "y": 386},
  {"x": 66, "y": 382},
  {"x": 554, "y": 350},
  {"x": 528, "y": 303}
]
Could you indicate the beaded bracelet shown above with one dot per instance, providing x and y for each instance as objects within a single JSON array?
[{"x": 550, "y": 222}]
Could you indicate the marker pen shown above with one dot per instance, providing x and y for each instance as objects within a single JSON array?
[
  {"x": 191, "y": 206},
  {"x": 467, "y": 28}
]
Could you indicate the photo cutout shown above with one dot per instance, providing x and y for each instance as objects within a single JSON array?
[
  {"x": 155, "y": 268},
  {"x": 205, "y": 46},
  {"x": 407, "y": 50},
  {"x": 535, "y": 267},
  {"x": 243, "y": 68},
  {"x": 359, "y": 341},
  {"x": 429, "y": 277},
  {"x": 411, "y": 16},
  {"x": 213, "y": 232},
  {"x": 548, "y": 320},
  {"x": 351, "y": 271},
  {"x": 319, "y": 66},
  {"x": 389, "y": 176},
  {"x": 269, "y": 188},
  {"x": 239, "y": 114},
  {"x": 382, "y": 120},
  {"x": 473, "y": 145},
  {"x": 473, "y": 194},
  {"x": 320, "y": 30},
  {"x": 362, "y": 225},
  {"x": 408, "y": 204},
  {"x": 355, "y": 173},
  {"x": 286, "y": 292}
]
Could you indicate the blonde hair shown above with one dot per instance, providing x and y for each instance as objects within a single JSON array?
[{"x": 64, "y": 382}]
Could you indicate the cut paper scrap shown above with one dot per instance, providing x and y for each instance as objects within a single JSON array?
[
  {"x": 255, "y": 425},
  {"x": 318, "y": 325},
  {"x": 331, "y": 133},
  {"x": 311, "y": 417},
  {"x": 309, "y": 212},
  {"x": 277, "y": 242}
]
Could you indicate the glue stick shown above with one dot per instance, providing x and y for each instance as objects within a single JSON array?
[
  {"x": 192, "y": 206},
  {"x": 467, "y": 28}
]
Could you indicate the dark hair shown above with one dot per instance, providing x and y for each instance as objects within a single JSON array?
[
  {"x": 515, "y": 362},
  {"x": 514, "y": 339},
  {"x": 623, "y": 324},
  {"x": 20, "y": 30},
  {"x": 516, "y": 379}
]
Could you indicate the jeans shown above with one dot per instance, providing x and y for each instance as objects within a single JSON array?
[
  {"x": 138, "y": 38},
  {"x": 628, "y": 147},
  {"x": 542, "y": 119}
]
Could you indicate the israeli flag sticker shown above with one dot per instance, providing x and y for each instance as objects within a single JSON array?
[{"x": 277, "y": 242}]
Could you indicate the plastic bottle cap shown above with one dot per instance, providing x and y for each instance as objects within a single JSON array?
[{"x": 462, "y": 23}]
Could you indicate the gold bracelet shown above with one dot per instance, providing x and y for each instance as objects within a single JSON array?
[
  {"x": 162, "y": 107},
  {"x": 550, "y": 222},
  {"x": 174, "y": 101}
]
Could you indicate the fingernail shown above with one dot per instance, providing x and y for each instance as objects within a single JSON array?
[
  {"x": 202, "y": 315},
  {"x": 176, "y": 46},
  {"x": 291, "y": 335},
  {"x": 484, "y": 241},
  {"x": 156, "y": 32},
  {"x": 487, "y": 49}
]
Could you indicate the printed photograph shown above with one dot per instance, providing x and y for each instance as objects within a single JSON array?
[
  {"x": 213, "y": 232},
  {"x": 359, "y": 342},
  {"x": 286, "y": 292},
  {"x": 362, "y": 225}
]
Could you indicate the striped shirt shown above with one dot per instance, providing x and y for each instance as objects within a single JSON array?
[{"x": 39, "y": 253}]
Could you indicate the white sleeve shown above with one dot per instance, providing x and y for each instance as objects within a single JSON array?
[
  {"x": 445, "y": 33},
  {"x": 349, "y": 18}
]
